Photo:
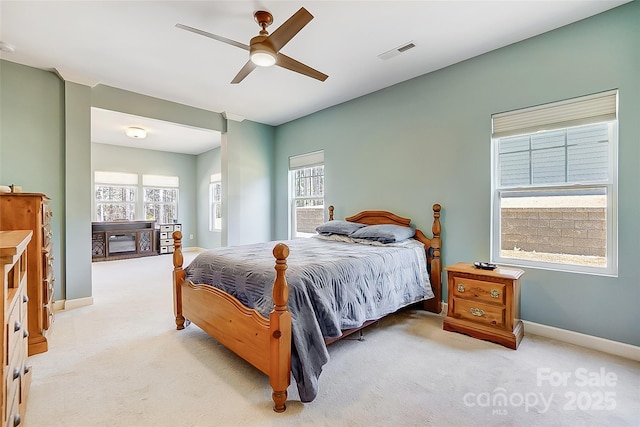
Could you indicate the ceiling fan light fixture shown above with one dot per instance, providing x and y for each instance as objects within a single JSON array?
[
  {"x": 263, "y": 57},
  {"x": 135, "y": 132}
]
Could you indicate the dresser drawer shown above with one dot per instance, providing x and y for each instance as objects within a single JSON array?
[
  {"x": 47, "y": 234},
  {"x": 166, "y": 228},
  {"x": 48, "y": 289},
  {"x": 13, "y": 409},
  {"x": 166, "y": 242},
  {"x": 47, "y": 264},
  {"x": 479, "y": 290},
  {"x": 15, "y": 330},
  {"x": 15, "y": 369},
  {"x": 47, "y": 316},
  {"x": 479, "y": 312}
]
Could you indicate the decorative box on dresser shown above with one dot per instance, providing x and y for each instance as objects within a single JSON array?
[
  {"x": 31, "y": 211},
  {"x": 16, "y": 374},
  {"x": 485, "y": 304},
  {"x": 165, "y": 237}
]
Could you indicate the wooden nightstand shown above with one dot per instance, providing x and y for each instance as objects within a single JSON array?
[{"x": 485, "y": 304}]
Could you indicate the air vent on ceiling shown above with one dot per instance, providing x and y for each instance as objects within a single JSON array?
[{"x": 397, "y": 51}]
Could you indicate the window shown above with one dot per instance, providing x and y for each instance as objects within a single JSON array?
[
  {"x": 160, "y": 198},
  {"x": 215, "y": 203},
  {"x": 115, "y": 196},
  {"x": 306, "y": 177},
  {"x": 554, "y": 186}
]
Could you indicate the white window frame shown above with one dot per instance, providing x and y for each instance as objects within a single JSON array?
[
  {"x": 296, "y": 163},
  {"x": 215, "y": 202},
  {"x": 162, "y": 183},
  {"x": 592, "y": 109},
  {"x": 121, "y": 180}
]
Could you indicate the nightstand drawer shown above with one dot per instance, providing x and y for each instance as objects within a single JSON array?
[
  {"x": 478, "y": 312},
  {"x": 479, "y": 290}
]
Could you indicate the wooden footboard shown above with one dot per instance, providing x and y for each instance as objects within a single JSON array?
[{"x": 265, "y": 343}]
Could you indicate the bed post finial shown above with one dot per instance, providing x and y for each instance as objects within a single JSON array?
[
  {"x": 436, "y": 229},
  {"x": 280, "y": 288},
  {"x": 331, "y": 213}
]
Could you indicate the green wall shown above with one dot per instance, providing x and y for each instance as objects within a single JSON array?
[
  {"x": 78, "y": 195},
  {"x": 247, "y": 177},
  {"x": 32, "y": 143},
  {"x": 207, "y": 164},
  {"x": 427, "y": 141}
]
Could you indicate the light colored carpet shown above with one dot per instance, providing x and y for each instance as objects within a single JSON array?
[{"x": 121, "y": 362}]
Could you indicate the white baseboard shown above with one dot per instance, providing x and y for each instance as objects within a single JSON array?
[
  {"x": 588, "y": 341},
  {"x": 70, "y": 304}
]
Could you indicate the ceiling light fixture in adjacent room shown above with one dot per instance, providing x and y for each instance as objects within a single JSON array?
[{"x": 134, "y": 132}]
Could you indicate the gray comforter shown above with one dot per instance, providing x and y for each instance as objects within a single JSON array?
[{"x": 332, "y": 286}]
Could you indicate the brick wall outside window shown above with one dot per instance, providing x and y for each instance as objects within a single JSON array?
[{"x": 574, "y": 231}]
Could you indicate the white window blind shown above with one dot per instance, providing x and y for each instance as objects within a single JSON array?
[
  {"x": 116, "y": 178},
  {"x": 160, "y": 181},
  {"x": 596, "y": 108},
  {"x": 306, "y": 160}
]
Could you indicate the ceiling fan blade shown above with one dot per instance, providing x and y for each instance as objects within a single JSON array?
[
  {"x": 244, "y": 72},
  {"x": 213, "y": 36},
  {"x": 290, "y": 28},
  {"x": 291, "y": 64}
]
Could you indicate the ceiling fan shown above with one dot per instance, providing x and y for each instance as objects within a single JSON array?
[{"x": 264, "y": 49}]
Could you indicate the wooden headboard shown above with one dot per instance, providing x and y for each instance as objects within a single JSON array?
[{"x": 433, "y": 245}]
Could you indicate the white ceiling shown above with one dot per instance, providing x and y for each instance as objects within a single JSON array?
[
  {"x": 134, "y": 45},
  {"x": 109, "y": 127}
]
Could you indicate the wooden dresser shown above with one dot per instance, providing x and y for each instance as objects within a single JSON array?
[
  {"x": 485, "y": 304},
  {"x": 16, "y": 374},
  {"x": 31, "y": 211}
]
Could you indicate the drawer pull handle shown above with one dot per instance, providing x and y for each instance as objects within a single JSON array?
[
  {"x": 25, "y": 334},
  {"x": 476, "y": 312},
  {"x": 25, "y": 298},
  {"x": 16, "y": 373},
  {"x": 27, "y": 368},
  {"x": 460, "y": 288},
  {"x": 16, "y": 420},
  {"x": 495, "y": 293},
  {"x": 17, "y": 326}
]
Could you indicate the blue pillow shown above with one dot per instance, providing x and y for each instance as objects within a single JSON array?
[
  {"x": 338, "y": 226},
  {"x": 385, "y": 233}
]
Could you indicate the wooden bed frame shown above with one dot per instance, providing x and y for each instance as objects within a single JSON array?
[{"x": 266, "y": 343}]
